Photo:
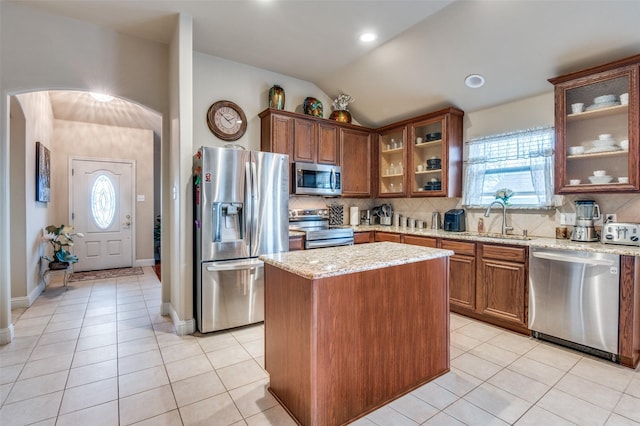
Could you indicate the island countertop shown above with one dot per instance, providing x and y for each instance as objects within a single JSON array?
[{"x": 333, "y": 261}]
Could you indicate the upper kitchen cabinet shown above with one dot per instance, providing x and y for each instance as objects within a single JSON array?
[
  {"x": 303, "y": 138},
  {"x": 596, "y": 127},
  {"x": 355, "y": 160},
  {"x": 392, "y": 161}
]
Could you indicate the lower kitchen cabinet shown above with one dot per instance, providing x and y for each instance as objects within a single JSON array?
[
  {"x": 387, "y": 236},
  {"x": 363, "y": 237},
  {"x": 501, "y": 289},
  {"x": 462, "y": 275},
  {"x": 420, "y": 241},
  {"x": 296, "y": 242}
]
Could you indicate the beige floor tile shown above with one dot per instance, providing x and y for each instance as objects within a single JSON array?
[
  {"x": 37, "y": 386},
  {"x": 241, "y": 374},
  {"x": 253, "y": 398},
  {"x": 573, "y": 409},
  {"x": 469, "y": 414},
  {"x": 606, "y": 373},
  {"x": 53, "y": 350},
  {"x": 435, "y": 395},
  {"x": 442, "y": 419},
  {"x": 137, "y": 346},
  {"x": 14, "y": 357},
  {"x": 255, "y": 347},
  {"x": 536, "y": 370},
  {"x": 228, "y": 356},
  {"x": 97, "y": 341},
  {"x": 129, "y": 334},
  {"x": 188, "y": 349},
  {"x": 31, "y": 410},
  {"x": 458, "y": 382},
  {"x": 141, "y": 361},
  {"x": 249, "y": 333},
  {"x": 68, "y": 316},
  {"x": 218, "y": 409},
  {"x": 4, "y": 392},
  {"x": 216, "y": 342},
  {"x": 92, "y": 373},
  {"x": 170, "y": 339},
  {"x": 19, "y": 344},
  {"x": 479, "y": 331},
  {"x": 143, "y": 380},
  {"x": 387, "y": 416},
  {"x": 634, "y": 387},
  {"x": 93, "y": 330},
  {"x": 414, "y": 408},
  {"x": 592, "y": 392},
  {"x": 478, "y": 367},
  {"x": 455, "y": 352},
  {"x": 496, "y": 355},
  {"x": 46, "y": 366},
  {"x": 515, "y": 383},
  {"x": 61, "y": 326},
  {"x": 99, "y": 320},
  {"x": 629, "y": 407},
  {"x": 39, "y": 311},
  {"x": 536, "y": 416},
  {"x": 147, "y": 404},
  {"x": 260, "y": 361},
  {"x": 362, "y": 421},
  {"x": 512, "y": 342},
  {"x": 99, "y": 415},
  {"x": 32, "y": 322},
  {"x": 498, "y": 402},
  {"x": 132, "y": 312},
  {"x": 618, "y": 420},
  {"x": 171, "y": 418},
  {"x": 182, "y": 369},
  {"x": 88, "y": 395},
  {"x": 457, "y": 321},
  {"x": 138, "y": 322},
  {"x": 554, "y": 356},
  {"x": 208, "y": 384},
  {"x": 92, "y": 356},
  {"x": 10, "y": 374},
  {"x": 463, "y": 341}
]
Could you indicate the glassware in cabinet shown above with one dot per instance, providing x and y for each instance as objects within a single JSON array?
[
  {"x": 427, "y": 157},
  {"x": 392, "y": 161}
]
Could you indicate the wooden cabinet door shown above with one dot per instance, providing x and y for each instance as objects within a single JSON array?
[
  {"x": 462, "y": 275},
  {"x": 362, "y": 237},
  {"x": 328, "y": 146},
  {"x": 387, "y": 236},
  {"x": 280, "y": 137},
  {"x": 355, "y": 160},
  {"x": 304, "y": 145},
  {"x": 502, "y": 291}
]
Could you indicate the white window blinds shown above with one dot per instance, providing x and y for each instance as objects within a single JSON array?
[{"x": 522, "y": 161}]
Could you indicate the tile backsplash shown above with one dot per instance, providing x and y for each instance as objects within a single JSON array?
[{"x": 539, "y": 223}]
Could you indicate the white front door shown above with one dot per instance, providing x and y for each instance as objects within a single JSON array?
[{"x": 101, "y": 206}]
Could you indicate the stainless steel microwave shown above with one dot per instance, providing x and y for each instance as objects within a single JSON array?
[{"x": 317, "y": 179}]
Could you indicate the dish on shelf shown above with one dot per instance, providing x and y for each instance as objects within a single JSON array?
[
  {"x": 604, "y": 142},
  {"x": 600, "y": 179},
  {"x": 603, "y": 149},
  {"x": 601, "y": 105},
  {"x": 576, "y": 150},
  {"x": 604, "y": 99}
]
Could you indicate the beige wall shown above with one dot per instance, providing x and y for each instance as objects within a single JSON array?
[{"x": 87, "y": 140}]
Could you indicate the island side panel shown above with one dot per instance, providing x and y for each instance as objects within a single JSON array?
[
  {"x": 288, "y": 339},
  {"x": 380, "y": 334}
]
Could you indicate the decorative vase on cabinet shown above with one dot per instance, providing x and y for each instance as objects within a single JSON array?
[
  {"x": 312, "y": 106},
  {"x": 276, "y": 97},
  {"x": 596, "y": 122}
]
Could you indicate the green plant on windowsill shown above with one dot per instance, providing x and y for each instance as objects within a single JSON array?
[{"x": 60, "y": 238}]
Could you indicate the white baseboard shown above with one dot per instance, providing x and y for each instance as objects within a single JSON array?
[
  {"x": 26, "y": 301},
  {"x": 182, "y": 327},
  {"x": 144, "y": 262},
  {"x": 6, "y": 335}
]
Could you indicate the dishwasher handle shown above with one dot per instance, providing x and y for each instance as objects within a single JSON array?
[
  {"x": 572, "y": 259},
  {"x": 231, "y": 266}
]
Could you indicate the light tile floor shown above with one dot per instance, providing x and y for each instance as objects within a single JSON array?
[{"x": 100, "y": 354}]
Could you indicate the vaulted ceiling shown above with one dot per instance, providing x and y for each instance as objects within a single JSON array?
[{"x": 423, "y": 52}]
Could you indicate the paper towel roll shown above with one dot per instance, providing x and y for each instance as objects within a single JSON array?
[{"x": 354, "y": 216}]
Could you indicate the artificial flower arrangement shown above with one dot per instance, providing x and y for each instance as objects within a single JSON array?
[
  {"x": 61, "y": 238},
  {"x": 504, "y": 194},
  {"x": 342, "y": 102}
]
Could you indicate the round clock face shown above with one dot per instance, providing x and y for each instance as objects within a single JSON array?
[{"x": 226, "y": 120}]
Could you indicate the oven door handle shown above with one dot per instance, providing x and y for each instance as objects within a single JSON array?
[{"x": 572, "y": 259}]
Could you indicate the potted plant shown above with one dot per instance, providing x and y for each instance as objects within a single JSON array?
[{"x": 61, "y": 238}]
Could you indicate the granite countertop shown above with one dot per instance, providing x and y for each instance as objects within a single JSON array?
[
  {"x": 532, "y": 241},
  {"x": 332, "y": 261}
]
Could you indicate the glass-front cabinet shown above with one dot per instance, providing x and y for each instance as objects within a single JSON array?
[
  {"x": 392, "y": 162},
  {"x": 596, "y": 119}
]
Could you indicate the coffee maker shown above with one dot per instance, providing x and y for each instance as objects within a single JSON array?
[{"x": 587, "y": 211}]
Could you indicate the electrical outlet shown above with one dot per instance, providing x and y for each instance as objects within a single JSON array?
[
  {"x": 567, "y": 218},
  {"x": 610, "y": 217}
]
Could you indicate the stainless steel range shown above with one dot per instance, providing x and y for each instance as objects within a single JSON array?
[{"x": 315, "y": 224}]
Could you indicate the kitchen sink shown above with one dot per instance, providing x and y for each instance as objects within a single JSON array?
[{"x": 498, "y": 236}]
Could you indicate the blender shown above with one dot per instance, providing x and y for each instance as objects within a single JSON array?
[{"x": 587, "y": 211}]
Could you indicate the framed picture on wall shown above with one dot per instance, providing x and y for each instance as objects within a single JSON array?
[{"x": 43, "y": 173}]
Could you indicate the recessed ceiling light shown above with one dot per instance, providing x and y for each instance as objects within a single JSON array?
[
  {"x": 474, "y": 81},
  {"x": 101, "y": 97},
  {"x": 367, "y": 37}
]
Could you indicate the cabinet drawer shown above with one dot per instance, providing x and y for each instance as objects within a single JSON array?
[
  {"x": 459, "y": 247},
  {"x": 420, "y": 241},
  {"x": 361, "y": 237},
  {"x": 387, "y": 236},
  {"x": 513, "y": 254},
  {"x": 296, "y": 243}
]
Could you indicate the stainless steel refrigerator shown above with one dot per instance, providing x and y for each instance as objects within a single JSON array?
[{"x": 241, "y": 212}]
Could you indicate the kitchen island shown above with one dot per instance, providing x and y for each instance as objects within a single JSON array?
[{"x": 348, "y": 329}]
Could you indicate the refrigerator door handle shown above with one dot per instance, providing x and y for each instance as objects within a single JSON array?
[
  {"x": 253, "y": 197},
  {"x": 234, "y": 266}
]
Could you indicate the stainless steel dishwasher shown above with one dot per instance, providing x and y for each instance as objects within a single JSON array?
[{"x": 574, "y": 299}]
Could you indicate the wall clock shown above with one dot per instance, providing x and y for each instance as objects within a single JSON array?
[{"x": 226, "y": 120}]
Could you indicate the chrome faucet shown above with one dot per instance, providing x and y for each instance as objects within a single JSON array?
[{"x": 505, "y": 228}]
